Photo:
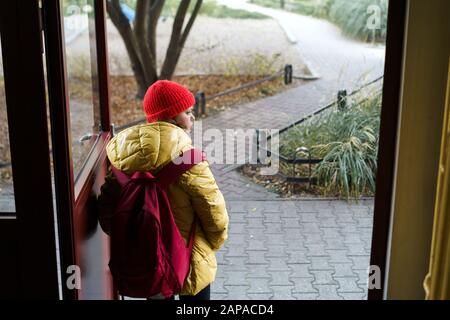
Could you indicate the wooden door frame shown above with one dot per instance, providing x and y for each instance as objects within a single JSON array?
[
  {"x": 71, "y": 196},
  {"x": 393, "y": 71},
  {"x": 30, "y": 232}
]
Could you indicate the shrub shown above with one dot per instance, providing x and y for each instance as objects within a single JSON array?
[{"x": 347, "y": 141}]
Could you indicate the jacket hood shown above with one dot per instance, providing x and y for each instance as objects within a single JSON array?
[{"x": 147, "y": 147}]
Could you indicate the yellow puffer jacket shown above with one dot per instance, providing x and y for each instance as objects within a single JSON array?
[{"x": 149, "y": 147}]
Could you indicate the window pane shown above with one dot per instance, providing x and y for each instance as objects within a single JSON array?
[
  {"x": 81, "y": 55},
  {"x": 6, "y": 182}
]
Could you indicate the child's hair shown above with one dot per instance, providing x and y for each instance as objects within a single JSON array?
[{"x": 165, "y": 99}]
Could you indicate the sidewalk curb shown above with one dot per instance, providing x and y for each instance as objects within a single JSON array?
[{"x": 292, "y": 39}]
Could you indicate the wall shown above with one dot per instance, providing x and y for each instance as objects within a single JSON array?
[{"x": 422, "y": 106}]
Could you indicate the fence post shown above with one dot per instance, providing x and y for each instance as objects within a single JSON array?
[
  {"x": 257, "y": 146},
  {"x": 200, "y": 103},
  {"x": 288, "y": 74},
  {"x": 342, "y": 99}
]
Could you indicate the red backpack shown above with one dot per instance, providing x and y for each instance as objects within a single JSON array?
[{"x": 148, "y": 253}]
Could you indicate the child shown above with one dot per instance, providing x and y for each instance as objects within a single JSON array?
[{"x": 149, "y": 147}]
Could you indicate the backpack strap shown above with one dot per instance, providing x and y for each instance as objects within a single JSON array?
[
  {"x": 178, "y": 166},
  {"x": 121, "y": 177},
  {"x": 175, "y": 169}
]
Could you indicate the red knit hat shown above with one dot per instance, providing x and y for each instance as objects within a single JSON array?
[{"x": 165, "y": 99}]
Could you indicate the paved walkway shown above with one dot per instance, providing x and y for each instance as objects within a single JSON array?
[{"x": 296, "y": 249}]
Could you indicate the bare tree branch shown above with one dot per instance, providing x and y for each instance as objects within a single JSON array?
[
  {"x": 188, "y": 27},
  {"x": 173, "y": 50},
  {"x": 123, "y": 26},
  {"x": 141, "y": 16},
  {"x": 155, "y": 10}
]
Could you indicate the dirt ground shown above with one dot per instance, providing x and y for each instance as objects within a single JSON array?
[{"x": 218, "y": 46}]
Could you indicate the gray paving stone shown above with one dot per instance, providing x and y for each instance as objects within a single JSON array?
[
  {"x": 308, "y": 217},
  {"x": 303, "y": 285},
  {"x": 235, "y": 278},
  {"x": 352, "y": 238},
  {"x": 331, "y": 233},
  {"x": 276, "y": 251},
  {"x": 238, "y": 228},
  {"x": 282, "y": 292},
  {"x": 219, "y": 296},
  {"x": 270, "y": 218},
  {"x": 348, "y": 284},
  {"x": 329, "y": 222},
  {"x": 357, "y": 249},
  {"x": 273, "y": 228},
  {"x": 360, "y": 262},
  {"x": 276, "y": 238},
  {"x": 237, "y": 217},
  {"x": 235, "y": 264},
  {"x": 272, "y": 207},
  {"x": 291, "y": 223},
  {"x": 256, "y": 245},
  {"x": 256, "y": 234},
  {"x": 338, "y": 256},
  {"x": 328, "y": 292},
  {"x": 260, "y": 296},
  {"x": 353, "y": 295},
  {"x": 320, "y": 263},
  {"x": 294, "y": 234},
  {"x": 306, "y": 296},
  {"x": 297, "y": 257},
  {"x": 257, "y": 257},
  {"x": 344, "y": 270},
  {"x": 259, "y": 271},
  {"x": 259, "y": 286},
  {"x": 220, "y": 255},
  {"x": 236, "y": 239},
  {"x": 316, "y": 250},
  {"x": 333, "y": 244},
  {"x": 237, "y": 292},
  {"x": 300, "y": 270},
  {"x": 281, "y": 278},
  {"x": 217, "y": 287},
  {"x": 236, "y": 251},
  {"x": 310, "y": 227},
  {"x": 363, "y": 276},
  {"x": 313, "y": 238},
  {"x": 277, "y": 264},
  {"x": 255, "y": 222},
  {"x": 323, "y": 277},
  {"x": 364, "y": 222}
]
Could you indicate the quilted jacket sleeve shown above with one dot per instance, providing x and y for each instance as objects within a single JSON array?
[
  {"x": 207, "y": 202},
  {"x": 107, "y": 201}
]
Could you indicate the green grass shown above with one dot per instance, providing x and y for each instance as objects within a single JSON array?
[
  {"x": 347, "y": 141},
  {"x": 209, "y": 8},
  {"x": 350, "y": 16}
]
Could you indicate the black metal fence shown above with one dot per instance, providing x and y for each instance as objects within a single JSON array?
[
  {"x": 342, "y": 103},
  {"x": 201, "y": 98}
]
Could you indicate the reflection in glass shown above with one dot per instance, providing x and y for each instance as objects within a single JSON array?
[
  {"x": 81, "y": 57},
  {"x": 6, "y": 182}
]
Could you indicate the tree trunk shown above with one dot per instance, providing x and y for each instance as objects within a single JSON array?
[
  {"x": 178, "y": 37},
  {"x": 140, "y": 41}
]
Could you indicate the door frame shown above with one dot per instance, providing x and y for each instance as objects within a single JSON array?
[
  {"x": 393, "y": 73},
  {"x": 73, "y": 195},
  {"x": 28, "y": 255}
]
